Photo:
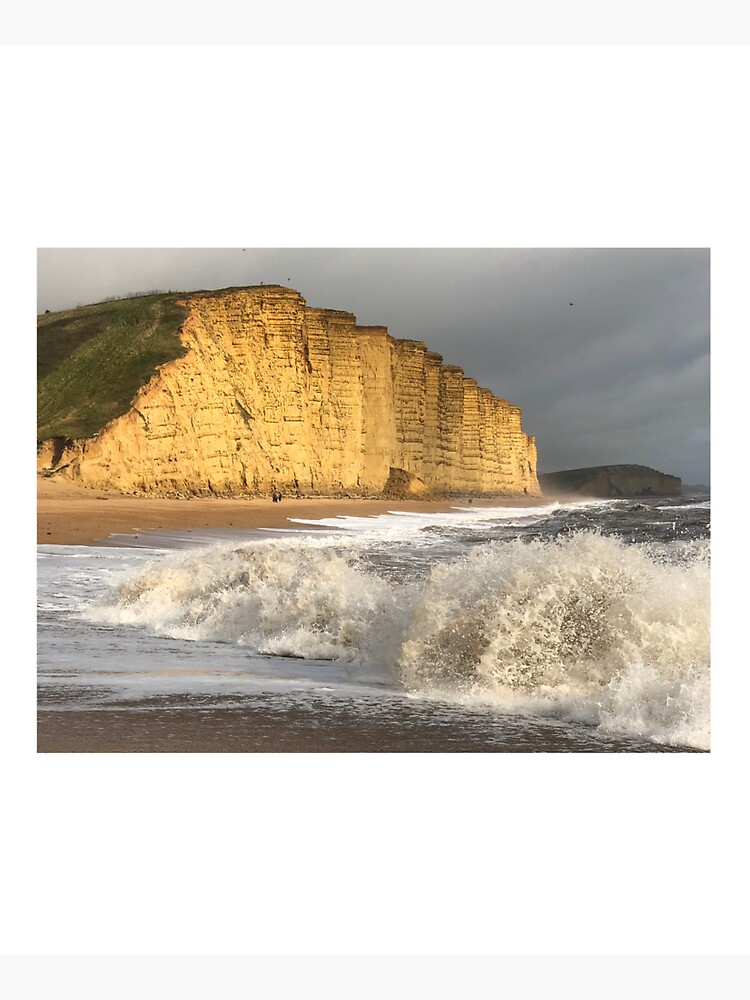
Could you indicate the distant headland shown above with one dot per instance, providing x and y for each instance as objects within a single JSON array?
[{"x": 612, "y": 481}]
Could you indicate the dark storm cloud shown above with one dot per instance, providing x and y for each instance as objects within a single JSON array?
[{"x": 619, "y": 376}]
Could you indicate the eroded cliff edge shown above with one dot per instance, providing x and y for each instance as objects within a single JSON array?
[{"x": 272, "y": 393}]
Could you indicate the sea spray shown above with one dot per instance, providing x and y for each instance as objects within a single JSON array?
[
  {"x": 583, "y": 627},
  {"x": 299, "y": 599}
]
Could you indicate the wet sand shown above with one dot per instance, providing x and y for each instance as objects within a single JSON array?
[
  {"x": 265, "y": 724},
  {"x": 74, "y": 515}
]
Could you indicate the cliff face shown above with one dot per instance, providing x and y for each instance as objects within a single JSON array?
[
  {"x": 612, "y": 481},
  {"x": 272, "y": 393}
]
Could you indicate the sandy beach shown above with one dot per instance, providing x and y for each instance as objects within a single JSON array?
[{"x": 75, "y": 515}]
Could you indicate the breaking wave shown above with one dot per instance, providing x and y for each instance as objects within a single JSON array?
[{"x": 582, "y": 627}]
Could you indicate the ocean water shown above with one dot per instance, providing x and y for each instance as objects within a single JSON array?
[{"x": 581, "y": 627}]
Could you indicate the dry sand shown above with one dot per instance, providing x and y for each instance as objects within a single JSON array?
[{"x": 74, "y": 515}]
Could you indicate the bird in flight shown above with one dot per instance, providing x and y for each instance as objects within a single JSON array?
[{"x": 570, "y": 303}]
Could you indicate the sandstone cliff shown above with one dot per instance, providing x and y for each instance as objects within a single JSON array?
[
  {"x": 272, "y": 393},
  {"x": 612, "y": 481}
]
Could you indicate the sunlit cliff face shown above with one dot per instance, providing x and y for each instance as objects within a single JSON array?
[{"x": 272, "y": 393}]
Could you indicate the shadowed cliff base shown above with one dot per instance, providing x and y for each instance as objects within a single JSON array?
[
  {"x": 611, "y": 481},
  {"x": 262, "y": 393}
]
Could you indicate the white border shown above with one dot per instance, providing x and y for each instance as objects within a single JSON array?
[
  {"x": 337, "y": 977},
  {"x": 394, "y": 22},
  {"x": 512, "y": 854}
]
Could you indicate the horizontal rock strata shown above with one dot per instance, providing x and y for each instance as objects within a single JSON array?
[{"x": 274, "y": 394}]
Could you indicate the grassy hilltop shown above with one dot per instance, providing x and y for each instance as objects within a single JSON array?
[{"x": 92, "y": 360}]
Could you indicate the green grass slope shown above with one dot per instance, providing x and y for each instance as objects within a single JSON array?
[{"x": 91, "y": 361}]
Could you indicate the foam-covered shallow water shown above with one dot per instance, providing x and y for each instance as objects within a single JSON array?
[{"x": 590, "y": 619}]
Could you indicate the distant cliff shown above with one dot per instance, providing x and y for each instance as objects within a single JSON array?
[
  {"x": 269, "y": 392},
  {"x": 612, "y": 481}
]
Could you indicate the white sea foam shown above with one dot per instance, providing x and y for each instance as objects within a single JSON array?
[
  {"x": 299, "y": 598},
  {"x": 583, "y": 627},
  {"x": 402, "y": 523},
  {"x": 698, "y": 505}
]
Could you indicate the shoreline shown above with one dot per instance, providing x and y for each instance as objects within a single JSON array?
[
  {"x": 76, "y": 515},
  {"x": 260, "y": 725}
]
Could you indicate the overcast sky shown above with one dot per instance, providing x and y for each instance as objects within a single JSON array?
[{"x": 619, "y": 376}]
